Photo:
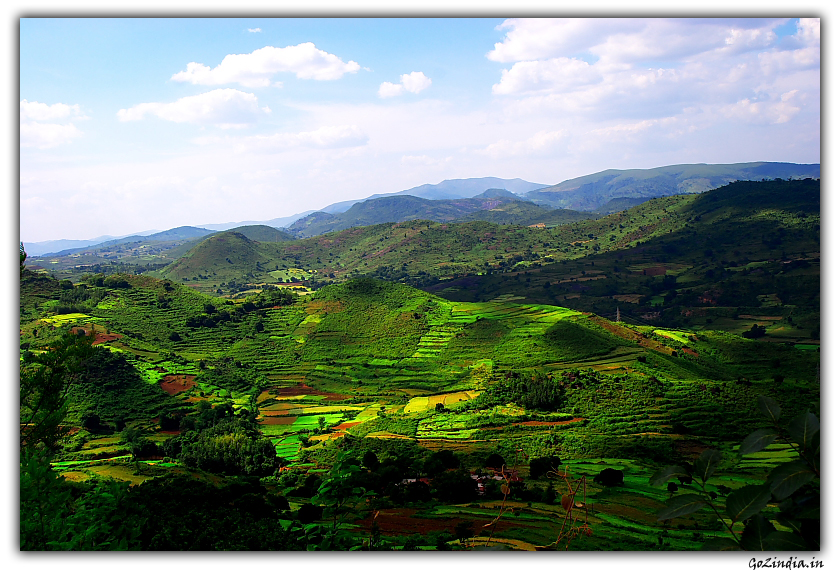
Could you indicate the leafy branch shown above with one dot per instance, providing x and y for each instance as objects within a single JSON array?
[{"x": 784, "y": 485}]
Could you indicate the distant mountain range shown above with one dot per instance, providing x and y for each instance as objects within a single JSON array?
[
  {"x": 448, "y": 190},
  {"x": 60, "y": 245},
  {"x": 175, "y": 234},
  {"x": 493, "y": 205},
  {"x": 513, "y": 201},
  {"x": 742, "y": 221}
]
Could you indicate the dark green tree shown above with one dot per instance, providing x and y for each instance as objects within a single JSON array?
[
  {"x": 45, "y": 380},
  {"x": 341, "y": 491}
]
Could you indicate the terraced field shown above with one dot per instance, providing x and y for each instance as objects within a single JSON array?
[{"x": 375, "y": 365}]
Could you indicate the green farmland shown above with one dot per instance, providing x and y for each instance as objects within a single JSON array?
[{"x": 430, "y": 387}]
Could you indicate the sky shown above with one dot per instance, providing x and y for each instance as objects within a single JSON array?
[{"x": 134, "y": 124}]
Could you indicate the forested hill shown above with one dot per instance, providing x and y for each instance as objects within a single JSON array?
[{"x": 742, "y": 255}]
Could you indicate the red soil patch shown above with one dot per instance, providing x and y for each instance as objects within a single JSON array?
[
  {"x": 278, "y": 420},
  {"x": 689, "y": 351},
  {"x": 176, "y": 383},
  {"x": 102, "y": 337},
  {"x": 345, "y": 426},
  {"x": 99, "y": 337},
  {"x": 304, "y": 390},
  {"x": 629, "y": 334}
]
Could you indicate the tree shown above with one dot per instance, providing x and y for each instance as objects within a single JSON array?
[
  {"x": 341, "y": 492},
  {"x": 44, "y": 383},
  {"x": 22, "y": 259},
  {"x": 464, "y": 531},
  {"x": 136, "y": 440},
  {"x": 370, "y": 461},
  {"x": 494, "y": 461}
]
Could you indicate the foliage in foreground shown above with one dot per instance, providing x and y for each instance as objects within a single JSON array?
[{"x": 793, "y": 486}]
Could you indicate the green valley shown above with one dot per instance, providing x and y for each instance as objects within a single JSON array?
[{"x": 339, "y": 406}]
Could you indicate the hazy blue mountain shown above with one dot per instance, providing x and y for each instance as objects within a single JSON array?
[
  {"x": 37, "y": 248},
  {"x": 175, "y": 234},
  {"x": 448, "y": 190},
  {"x": 404, "y": 208},
  {"x": 588, "y": 193},
  {"x": 274, "y": 222}
]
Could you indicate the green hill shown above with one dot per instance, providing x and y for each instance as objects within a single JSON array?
[
  {"x": 373, "y": 339},
  {"x": 742, "y": 255},
  {"x": 523, "y": 213},
  {"x": 225, "y": 255},
  {"x": 433, "y": 254},
  {"x": 262, "y": 233}
]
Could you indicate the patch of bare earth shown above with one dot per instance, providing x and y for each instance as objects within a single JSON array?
[{"x": 174, "y": 384}]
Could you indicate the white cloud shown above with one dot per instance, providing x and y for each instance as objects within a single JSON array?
[
  {"x": 225, "y": 108},
  {"x": 629, "y": 39},
  {"x": 558, "y": 73},
  {"x": 35, "y": 133},
  {"x": 47, "y": 135},
  {"x": 654, "y": 68},
  {"x": 254, "y": 30},
  {"x": 535, "y": 38},
  {"x": 256, "y": 69},
  {"x": 35, "y": 111},
  {"x": 413, "y": 82},
  {"x": 388, "y": 89},
  {"x": 776, "y": 111},
  {"x": 808, "y": 31},
  {"x": 541, "y": 143},
  {"x": 328, "y": 137}
]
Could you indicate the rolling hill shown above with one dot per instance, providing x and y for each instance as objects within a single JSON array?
[
  {"x": 429, "y": 387},
  {"x": 263, "y": 233},
  {"x": 744, "y": 235},
  {"x": 225, "y": 255}
]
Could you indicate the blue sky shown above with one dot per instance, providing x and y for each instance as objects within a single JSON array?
[{"x": 136, "y": 124}]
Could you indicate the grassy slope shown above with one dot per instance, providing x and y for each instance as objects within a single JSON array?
[{"x": 372, "y": 337}]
